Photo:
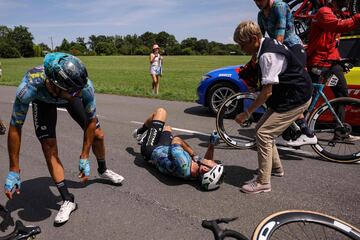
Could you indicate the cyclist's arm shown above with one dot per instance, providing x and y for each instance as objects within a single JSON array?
[
  {"x": 89, "y": 133},
  {"x": 25, "y": 94},
  {"x": 184, "y": 145},
  {"x": 329, "y": 22},
  {"x": 280, "y": 12},
  {"x": 88, "y": 98},
  {"x": 260, "y": 20}
]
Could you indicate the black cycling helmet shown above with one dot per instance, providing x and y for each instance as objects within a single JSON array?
[{"x": 65, "y": 71}]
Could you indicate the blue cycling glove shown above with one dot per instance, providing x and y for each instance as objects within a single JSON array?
[
  {"x": 12, "y": 180},
  {"x": 84, "y": 168}
]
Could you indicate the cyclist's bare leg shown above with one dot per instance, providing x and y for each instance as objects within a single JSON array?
[
  {"x": 50, "y": 150},
  {"x": 159, "y": 114},
  {"x": 98, "y": 146}
]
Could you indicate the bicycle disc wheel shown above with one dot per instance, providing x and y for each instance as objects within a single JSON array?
[
  {"x": 302, "y": 224},
  {"x": 335, "y": 142},
  {"x": 234, "y": 134}
]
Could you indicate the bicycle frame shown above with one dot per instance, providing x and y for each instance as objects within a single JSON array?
[
  {"x": 318, "y": 87},
  {"x": 303, "y": 11}
]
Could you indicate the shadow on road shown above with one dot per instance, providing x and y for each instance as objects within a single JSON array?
[
  {"x": 36, "y": 200},
  {"x": 237, "y": 175},
  {"x": 168, "y": 180},
  {"x": 199, "y": 111}
]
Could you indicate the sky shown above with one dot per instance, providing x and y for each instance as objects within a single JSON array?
[{"x": 214, "y": 20}]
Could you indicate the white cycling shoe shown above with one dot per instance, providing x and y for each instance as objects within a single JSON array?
[
  {"x": 112, "y": 176},
  {"x": 136, "y": 135},
  {"x": 139, "y": 137},
  {"x": 64, "y": 213},
  {"x": 302, "y": 140}
]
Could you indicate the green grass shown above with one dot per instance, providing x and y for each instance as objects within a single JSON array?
[{"x": 129, "y": 75}]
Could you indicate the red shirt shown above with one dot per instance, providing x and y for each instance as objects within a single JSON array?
[{"x": 324, "y": 33}]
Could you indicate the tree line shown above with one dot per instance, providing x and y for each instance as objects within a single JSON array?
[{"x": 18, "y": 42}]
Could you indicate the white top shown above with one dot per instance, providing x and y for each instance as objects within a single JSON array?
[
  {"x": 156, "y": 61},
  {"x": 271, "y": 65}
]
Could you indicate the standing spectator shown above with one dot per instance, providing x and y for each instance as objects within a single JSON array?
[
  {"x": 286, "y": 90},
  {"x": 155, "y": 68}
]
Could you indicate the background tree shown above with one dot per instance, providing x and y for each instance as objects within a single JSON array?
[{"x": 23, "y": 41}]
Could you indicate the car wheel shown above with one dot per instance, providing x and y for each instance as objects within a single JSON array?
[{"x": 217, "y": 95}]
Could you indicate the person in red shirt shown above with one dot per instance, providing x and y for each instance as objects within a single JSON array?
[{"x": 324, "y": 37}]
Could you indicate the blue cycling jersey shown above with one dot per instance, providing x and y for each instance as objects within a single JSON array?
[
  {"x": 172, "y": 160},
  {"x": 279, "y": 22},
  {"x": 33, "y": 88}
]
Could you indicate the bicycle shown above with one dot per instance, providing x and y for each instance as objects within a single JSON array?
[
  {"x": 290, "y": 224},
  {"x": 20, "y": 231},
  {"x": 336, "y": 123},
  {"x": 304, "y": 10}
]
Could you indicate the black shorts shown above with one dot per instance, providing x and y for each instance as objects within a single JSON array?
[
  {"x": 45, "y": 117},
  {"x": 163, "y": 138}
]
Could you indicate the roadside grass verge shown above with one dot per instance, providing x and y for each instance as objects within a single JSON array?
[{"x": 129, "y": 75}]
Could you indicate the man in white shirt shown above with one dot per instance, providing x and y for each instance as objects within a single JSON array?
[{"x": 286, "y": 90}]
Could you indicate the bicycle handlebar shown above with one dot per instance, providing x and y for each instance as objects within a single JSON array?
[
  {"x": 345, "y": 63},
  {"x": 220, "y": 233},
  {"x": 22, "y": 232}
]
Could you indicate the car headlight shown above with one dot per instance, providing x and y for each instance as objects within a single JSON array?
[{"x": 204, "y": 77}]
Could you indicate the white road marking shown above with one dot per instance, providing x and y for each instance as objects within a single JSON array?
[
  {"x": 64, "y": 110},
  {"x": 306, "y": 153},
  {"x": 179, "y": 129}
]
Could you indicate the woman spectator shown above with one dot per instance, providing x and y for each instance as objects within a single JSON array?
[{"x": 155, "y": 68}]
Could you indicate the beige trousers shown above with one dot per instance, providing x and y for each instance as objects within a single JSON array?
[{"x": 270, "y": 126}]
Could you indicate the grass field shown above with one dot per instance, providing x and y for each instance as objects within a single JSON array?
[{"x": 129, "y": 75}]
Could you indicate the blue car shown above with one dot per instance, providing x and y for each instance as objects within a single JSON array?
[{"x": 219, "y": 84}]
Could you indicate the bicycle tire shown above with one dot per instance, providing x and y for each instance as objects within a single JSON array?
[
  {"x": 334, "y": 143},
  {"x": 233, "y": 134},
  {"x": 231, "y": 234},
  {"x": 281, "y": 223}
]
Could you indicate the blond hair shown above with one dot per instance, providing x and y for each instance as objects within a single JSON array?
[{"x": 245, "y": 30}]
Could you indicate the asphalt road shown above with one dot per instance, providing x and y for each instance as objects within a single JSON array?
[{"x": 152, "y": 206}]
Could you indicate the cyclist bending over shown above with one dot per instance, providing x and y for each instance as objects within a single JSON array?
[
  {"x": 61, "y": 82},
  {"x": 286, "y": 90},
  {"x": 173, "y": 156}
]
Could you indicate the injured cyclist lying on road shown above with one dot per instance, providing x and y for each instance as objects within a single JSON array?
[{"x": 173, "y": 156}]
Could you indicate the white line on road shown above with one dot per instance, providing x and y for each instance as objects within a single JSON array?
[
  {"x": 306, "y": 153},
  {"x": 179, "y": 129}
]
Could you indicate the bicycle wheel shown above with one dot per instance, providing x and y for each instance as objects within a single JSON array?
[
  {"x": 235, "y": 135},
  {"x": 302, "y": 224},
  {"x": 335, "y": 142}
]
